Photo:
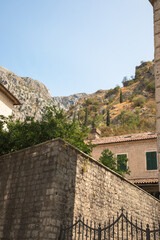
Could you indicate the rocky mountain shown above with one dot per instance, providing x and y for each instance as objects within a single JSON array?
[
  {"x": 66, "y": 102},
  {"x": 135, "y": 113},
  {"x": 33, "y": 95}
]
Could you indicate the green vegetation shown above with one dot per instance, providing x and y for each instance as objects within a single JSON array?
[
  {"x": 112, "y": 91},
  {"x": 139, "y": 100},
  {"x": 54, "y": 124},
  {"x": 108, "y": 118},
  {"x": 150, "y": 87},
  {"x": 117, "y": 164},
  {"x": 86, "y": 117},
  {"x": 121, "y": 97}
]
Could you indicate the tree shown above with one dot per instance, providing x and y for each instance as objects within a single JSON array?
[
  {"x": 121, "y": 96},
  {"x": 117, "y": 164},
  {"x": 54, "y": 124},
  {"x": 108, "y": 118},
  {"x": 86, "y": 117},
  {"x": 125, "y": 79}
]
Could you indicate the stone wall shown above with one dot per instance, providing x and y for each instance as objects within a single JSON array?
[
  {"x": 51, "y": 183},
  {"x": 156, "y": 7},
  {"x": 101, "y": 193},
  {"x": 36, "y": 191}
]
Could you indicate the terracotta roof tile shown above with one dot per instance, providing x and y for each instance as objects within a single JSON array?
[
  {"x": 144, "y": 181},
  {"x": 126, "y": 138}
]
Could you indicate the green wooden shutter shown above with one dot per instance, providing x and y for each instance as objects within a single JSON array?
[
  {"x": 151, "y": 158},
  {"x": 122, "y": 166}
]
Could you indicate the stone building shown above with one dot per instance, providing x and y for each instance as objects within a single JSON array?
[
  {"x": 156, "y": 10},
  {"x": 7, "y": 101},
  {"x": 141, "y": 151}
]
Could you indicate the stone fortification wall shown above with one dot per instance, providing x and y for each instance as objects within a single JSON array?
[
  {"x": 156, "y": 5},
  {"x": 101, "y": 193},
  {"x": 36, "y": 191},
  {"x": 51, "y": 183}
]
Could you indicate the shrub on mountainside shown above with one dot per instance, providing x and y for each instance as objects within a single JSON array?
[
  {"x": 139, "y": 100},
  {"x": 150, "y": 87},
  {"x": 112, "y": 91}
]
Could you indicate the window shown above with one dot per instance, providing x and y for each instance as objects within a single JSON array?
[
  {"x": 151, "y": 158},
  {"x": 122, "y": 161}
]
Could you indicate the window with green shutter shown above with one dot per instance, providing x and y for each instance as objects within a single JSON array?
[
  {"x": 121, "y": 161},
  {"x": 151, "y": 158}
]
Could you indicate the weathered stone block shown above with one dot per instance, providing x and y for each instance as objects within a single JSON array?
[
  {"x": 157, "y": 69},
  {"x": 157, "y": 15},
  {"x": 158, "y": 110},
  {"x": 158, "y": 129},
  {"x": 157, "y": 54},
  {"x": 156, "y": 5},
  {"x": 158, "y": 95},
  {"x": 158, "y": 144},
  {"x": 157, "y": 27},
  {"x": 157, "y": 40}
]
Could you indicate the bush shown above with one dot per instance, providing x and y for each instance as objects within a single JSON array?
[
  {"x": 139, "y": 101},
  {"x": 112, "y": 91},
  {"x": 128, "y": 118},
  {"x": 150, "y": 87}
]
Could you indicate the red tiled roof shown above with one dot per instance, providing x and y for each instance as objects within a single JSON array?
[
  {"x": 125, "y": 138},
  {"x": 144, "y": 180}
]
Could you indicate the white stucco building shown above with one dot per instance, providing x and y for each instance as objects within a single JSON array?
[{"x": 7, "y": 101}]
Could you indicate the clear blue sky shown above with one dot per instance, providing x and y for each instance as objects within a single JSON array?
[{"x": 75, "y": 46}]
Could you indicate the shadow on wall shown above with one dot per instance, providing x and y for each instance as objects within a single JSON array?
[{"x": 37, "y": 191}]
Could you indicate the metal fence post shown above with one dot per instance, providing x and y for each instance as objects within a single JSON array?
[
  {"x": 147, "y": 232},
  {"x": 99, "y": 232}
]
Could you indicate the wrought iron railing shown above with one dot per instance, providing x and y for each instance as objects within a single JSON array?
[{"x": 121, "y": 228}]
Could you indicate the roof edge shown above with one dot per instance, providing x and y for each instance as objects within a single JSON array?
[
  {"x": 9, "y": 94},
  {"x": 88, "y": 157}
]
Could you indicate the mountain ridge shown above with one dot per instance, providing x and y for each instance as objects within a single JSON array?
[{"x": 34, "y": 97}]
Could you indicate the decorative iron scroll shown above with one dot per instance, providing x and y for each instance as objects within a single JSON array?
[{"x": 121, "y": 228}]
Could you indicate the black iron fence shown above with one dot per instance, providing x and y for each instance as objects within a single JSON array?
[{"x": 122, "y": 227}]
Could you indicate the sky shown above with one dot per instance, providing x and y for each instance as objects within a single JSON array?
[{"x": 75, "y": 46}]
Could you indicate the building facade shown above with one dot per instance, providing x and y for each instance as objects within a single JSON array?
[
  {"x": 7, "y": 101},
  {"x": 141, "y": 151}
]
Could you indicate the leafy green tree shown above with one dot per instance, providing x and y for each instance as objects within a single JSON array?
[
  {"x": 108, "y": 118},
  {"x": 54, "y": 124},
  {"x": 121, "y": 97},
  {"x": 118, "y": 165}
]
